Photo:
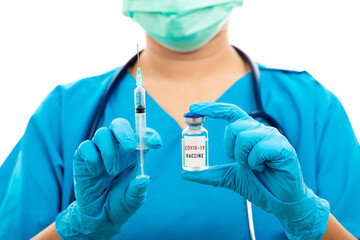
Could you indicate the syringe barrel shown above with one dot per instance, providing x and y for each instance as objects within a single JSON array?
[
  {"x": 141, "y": 157},
  {"x": 140, "y": 125},
  {"x": 140, "y": 122},
  {"x": 140, "y": 115},
  {"x": 139, "y": 96}
]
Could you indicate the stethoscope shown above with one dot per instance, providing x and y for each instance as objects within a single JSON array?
[{"x": 259, "y": 113}]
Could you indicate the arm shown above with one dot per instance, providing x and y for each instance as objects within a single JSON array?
[
  {"x": 335, "y": 230},
  {"x": 48, "y": 233},
  {"x": 31, "y": 177},
  {"x": 338, "y": 163}
]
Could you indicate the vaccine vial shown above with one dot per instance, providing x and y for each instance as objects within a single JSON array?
[{"x": 195, "y": 150}]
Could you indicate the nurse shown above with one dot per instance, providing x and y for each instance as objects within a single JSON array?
[{"x": 304, "y": 186}]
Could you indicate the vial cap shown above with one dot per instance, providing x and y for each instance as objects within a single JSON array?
[
  {"x": 194, "y": 119},
  {"x": 192, "y": 115}
]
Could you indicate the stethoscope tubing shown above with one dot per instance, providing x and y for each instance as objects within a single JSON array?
[{"x": 121, "y": 73}]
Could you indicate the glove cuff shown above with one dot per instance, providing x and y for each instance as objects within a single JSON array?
[
  {"x": 84, "y": 223},
  {"x": 308, "y": 217}
]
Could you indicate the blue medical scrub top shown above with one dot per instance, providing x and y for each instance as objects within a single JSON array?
[{"x": 36, "y": 179}]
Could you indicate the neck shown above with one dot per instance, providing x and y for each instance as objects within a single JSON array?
[{"x": 217, "y": 56}]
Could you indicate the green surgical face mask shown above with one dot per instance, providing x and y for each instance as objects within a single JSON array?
[{"x": 180, "y": 25}]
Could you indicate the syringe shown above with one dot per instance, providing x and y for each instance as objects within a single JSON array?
[{"x": 140, "y": 122}]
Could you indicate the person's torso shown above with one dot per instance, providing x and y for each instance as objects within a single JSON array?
[{"x": 178, "y": 209}]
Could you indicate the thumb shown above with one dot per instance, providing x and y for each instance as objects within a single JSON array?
[
  {"x": 217, "y": 176},
  {"x": 126, "y": 197},
  {"x": 136, "y": 193}
]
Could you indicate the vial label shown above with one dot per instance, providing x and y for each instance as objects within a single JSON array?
[{"x": 195, "y": 152}]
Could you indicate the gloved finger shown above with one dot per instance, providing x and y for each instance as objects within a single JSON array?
[
  {"x": 127, "y": 196},
  {"x": 246, "y": 141},
  {"x": 124, "y": 134},
  {"x": 281, "y": 176},
  {"x": 90, "y": 177},
  {"x": 274, "y": 152},
  {"x": 233, "y": 129},
  {"x": 231, "y": 176},
  {"x": 224, "y": 111},
  {"x": 153, "y": 139},
  {"x": 217, "y": 176},
  {"x": 109, "y": 150},
  {"x": 125, "y": 141},
  {"x": 87, "y": 160},
  {"x": 136, "y": 193}
]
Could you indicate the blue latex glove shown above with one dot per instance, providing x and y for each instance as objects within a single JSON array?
[
  {"x": 106, "y": 190},
  {"x": 266, "y": 172}
]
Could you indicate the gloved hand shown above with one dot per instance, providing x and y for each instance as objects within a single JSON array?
[
  {"x": 106, "y": 190},
  {"x": 266, "y": 172}
]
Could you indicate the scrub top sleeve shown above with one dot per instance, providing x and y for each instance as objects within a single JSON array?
[
  {"x": 31, "y": 176},
  {"x": 338, "y": 160}
]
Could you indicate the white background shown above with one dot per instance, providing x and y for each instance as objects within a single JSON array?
[{"x": 44, "y": 43}]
